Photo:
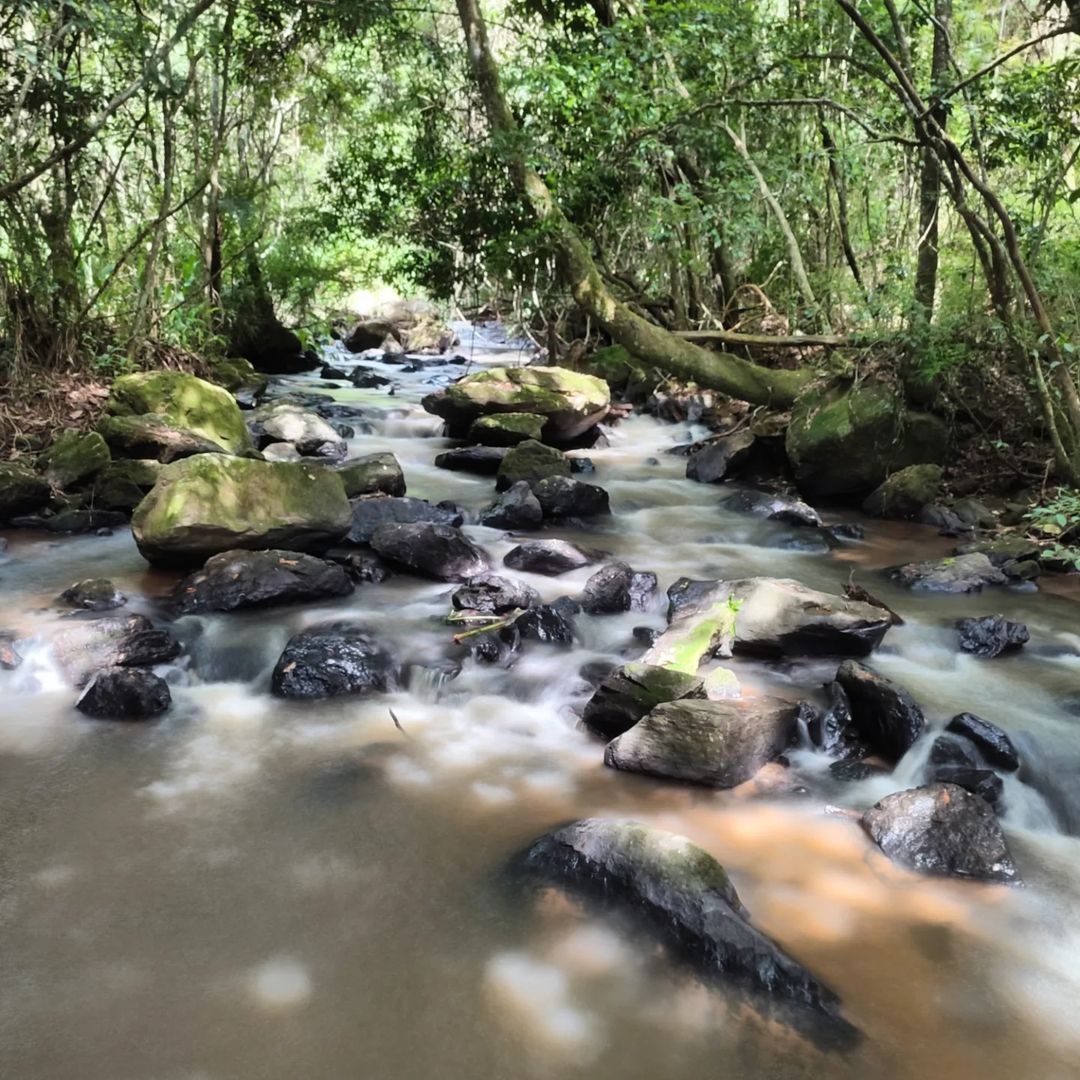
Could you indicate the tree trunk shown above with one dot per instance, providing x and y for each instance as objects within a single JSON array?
[{"x": 720, "y": 371}]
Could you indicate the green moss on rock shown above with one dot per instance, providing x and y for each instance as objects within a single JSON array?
[
  {"x": 21, "y": 489},
  {"x": 74, "y": 456},
  {"x": 210, "y": 503},
  {"x": 531, "y": 461},
  {"x": 506, "y": 429},
  {"x": 184, "y": 402},
  {"x": 905, "y": 493},
  {"x": 375, "y": 474}
]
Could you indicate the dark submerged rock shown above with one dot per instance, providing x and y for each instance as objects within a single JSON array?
[
  {"x": 333, "y": 659},
  {"x": 991, "y": 635},
  {"x": 943, "y": 830},
  {"x": 982, "y": 782},
  {"x": 833, "y": 730},
  {"x": 434, "y": 550},
  {"x": 686, "y": 897},
  {"x": 947, "y": 750},
  {"x": 362, "y": 565},
  {"x": 781, "y": 508},
  {"x": 516, "y": 508},
  {"x": 958, "y": 574},
  {"x": 885, "y": 716},
  {"x": 995, "y": 746},
  {"x": 490, "y": 594},
  {"x": 125, "y": 694},
  {"x": 241, "y": 579},
  {"x": 550, "y": 557},
  {"x": 563, "y": 497},
  {"x": 630, "y": 692},
  {"x": 94, "y": 594},
  {"x": 616, "y": 587},
  {"x": 718, "y": 743},
  {"x": 552, "y": 624},
  {"x": 482, "y": 460},
  {"x": 716, "y": 460},
  {"x": 369, "y": 515}
]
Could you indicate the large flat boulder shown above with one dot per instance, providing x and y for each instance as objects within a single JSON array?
[
  {"x": 570, "y": 402},
  {"x": 764, "y": 616},
  {"x": 210, "y": 503},
  {"x": 185, "y": 402},
  {"x": 718, "y": 743},
  {"x": 685, "y": 896},
  {"x": 845, "y": 439}
]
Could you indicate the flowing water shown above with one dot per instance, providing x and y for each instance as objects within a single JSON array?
[{"x": 253, "y": 888}]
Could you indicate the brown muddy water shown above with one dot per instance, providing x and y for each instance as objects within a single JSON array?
[{"x": 252, "y": 889}]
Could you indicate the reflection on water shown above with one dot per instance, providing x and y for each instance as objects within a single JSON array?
[{"x": 257, "y": 888}]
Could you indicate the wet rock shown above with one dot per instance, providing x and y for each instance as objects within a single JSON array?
[
  {"x": 630, "y": 692},
  {"x": 10, "y": 658},
  {"x": 550, "y": 557},
  {"x": 552, "y": 624},
  {"x": 949, "y": 751},
  {"x": 616, "y": 587},
  {"x": 763, "y": 616},
  {"x": 941, "y": 518},
  {"x": 1002, "y": 550},
  {"x": 718, "y": 459},
  {"x": 373, "y": 474},
  {"x": 905, "y": 493},
  {"x": 151, "y": 437},
  {"x": 773, "y": 508},
  {"x": 959, "y": 574},
  {"x": 563, "y": 497},
  {"x": 886, "y": 717},
  {"x": 718, "y": 743},
  {"x": 991, "y": 635},
  {"x": 85, "y": 646},
  {"x": 433, "y": 550},
  {"x": 570, "y": 402},
  {"x": 74, "y": 456},
  {"x": 183, "y": 402},
  {"x": 363, "y": 566},
  {"x": 490, "y": 594},
  {"x": 582, "y": 466},
  {"x": 846, "y": 530},
  {"x": 482, "y": 460},
  {"x": 995, "y": 746},
  {"x": 307, "y": 431},
  {"x": 125, "y": 694},
  {"x": 94, "y": 594},
  {"x": 369, "y": 515},
  {"x": 121, "y": 485},
  {"x": 982, "y": 782},
  {"x": 506, "y": 429},
  {"x": 332, "y": 659},
  {"x": 372, "y": 334},
  {"x": 943, "y": 830},
  {"x": 21, "y": 489},
  {"x": 686, "y": 896},
  {"x": 833, "y": 730},
  {"x": 366, "y": 379},
  {"x": 242, "y": 579},
  {"x": 531, "y": 461},
  {"x": 517, "y": 508},
  {"x": 845, "y": 438},
  {"x": 851, "y": 772},
  {"x": 210, "y": 503},
  {"x": 328, "y": 371}
]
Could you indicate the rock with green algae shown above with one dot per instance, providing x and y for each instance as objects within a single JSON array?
[
  {"x": 74, "y": 456},
  {"x": 762, "y": 616},
  {"x": 570, "y": 402},
  {"x": 235, "y": 374},
  {"x": 122, "y": 484},
  {"x": 530, "y": 461},
  {"x": 845, "y": 440},
  {"x": 151, "y": 436},
  {"x": 184, "y": 402},
  {"x": 717, "y": 743},
  {"x": 374, "y": 474},
  {"x": 506, "y": 429},
  {"x": 210, "y": 503},
  {"x": 632, "y": 691},
  {"x": 21, "y": 489},
  {"x": 686, "y": 897},
  {"x": 904, "y": 493}
]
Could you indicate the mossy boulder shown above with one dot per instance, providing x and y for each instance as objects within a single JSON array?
[
  {"x": 21, "y": 489},
  {"x": 845, "y": 439},
  {"x": 374, "y": 474},
  {"x": 905, "y": 493},
  {"x": 632, "y": 691},
  {"x": 74, "y": 456},
  {"x": 615, "y": 365},
  {"x": 570, "y": 402},
  {"x": 236, "y": 374},
  {"x": 531, "y": 461},
  {"x": 122, "y": 484},
  {"x": 210, "y": 503},
  {"x": 506, "y": 429},
  {"x": 152, "y": 437},
  {"x": 184, "y": 402}
]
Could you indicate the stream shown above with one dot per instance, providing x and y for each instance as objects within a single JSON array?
[{"x": 259, "y": 888}]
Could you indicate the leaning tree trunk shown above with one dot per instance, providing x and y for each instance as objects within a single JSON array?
[{"x": 720, "y": 371}]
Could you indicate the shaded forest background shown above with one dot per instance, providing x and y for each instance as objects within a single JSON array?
[{"x": 801, "y": 189}]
